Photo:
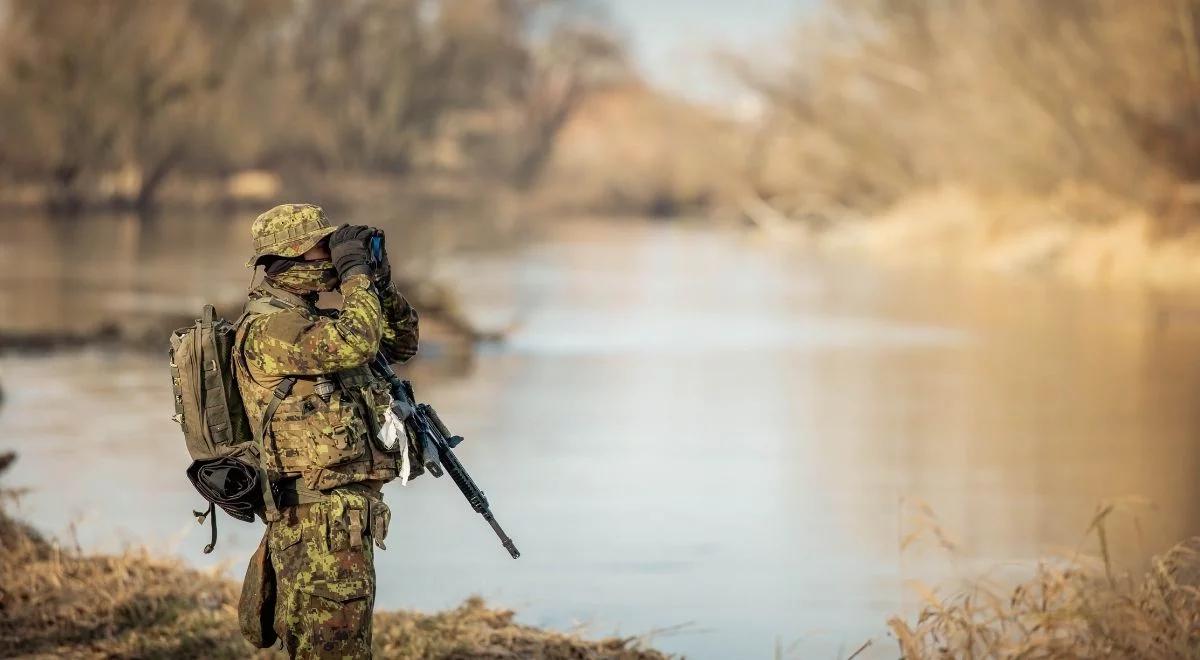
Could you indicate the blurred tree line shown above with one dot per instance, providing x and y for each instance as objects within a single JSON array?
[
  {"x": 883, "y": 97},
  {"x": 154, "y": 88}
]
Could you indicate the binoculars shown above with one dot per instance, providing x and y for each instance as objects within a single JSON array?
[{"x": 376, "y": 246}]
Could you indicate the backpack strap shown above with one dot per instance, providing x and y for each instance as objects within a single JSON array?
[
  {"x": 211, "y": 514},
  {"x": 265, "y": 299},
  {"x": 288, "y": 299},
  {"x": 260, "y": 306},
  {"x": 274, "y": 301},
  {"x": 281, "y": 392}
]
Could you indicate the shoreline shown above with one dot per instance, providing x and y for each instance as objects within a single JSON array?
[
  {"x": 445, "y": 327},
  {"x": 1075, "y": 234},
  {"x": 60, "y": 601}
]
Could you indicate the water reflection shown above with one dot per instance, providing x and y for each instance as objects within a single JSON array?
[{"x": 686, "y": 426}]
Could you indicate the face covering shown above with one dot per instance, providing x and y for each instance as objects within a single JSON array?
[{"x": 303, "y": 276}]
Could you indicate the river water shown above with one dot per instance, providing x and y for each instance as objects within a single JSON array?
[{"x": 688, "y": 432}]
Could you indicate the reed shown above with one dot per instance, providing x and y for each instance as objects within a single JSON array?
[{"x": 1078, "y": 607}]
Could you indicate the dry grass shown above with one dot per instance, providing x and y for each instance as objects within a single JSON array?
[
  {"x": 1076, "y": 608},
  {"x": 475, "y": 631},
  {"x": 59, "y": 602}
]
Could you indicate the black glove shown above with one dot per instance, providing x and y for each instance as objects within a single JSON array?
[{"x": 349, "y": 250}]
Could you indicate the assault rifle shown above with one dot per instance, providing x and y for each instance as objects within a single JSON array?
[{"x": 437, "y": 446}]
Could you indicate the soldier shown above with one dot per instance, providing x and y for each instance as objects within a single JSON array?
[{"x": 316, "y": 409}]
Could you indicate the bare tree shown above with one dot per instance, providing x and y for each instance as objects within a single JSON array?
[
  {"x": 60, "y": 119},
  {"x": 887, "y": 95},
  {"x": 150, "y": 87},
  {"x": 574, "y": 61}
]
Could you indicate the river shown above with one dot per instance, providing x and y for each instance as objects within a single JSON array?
[{"x": 687, "y": 431}]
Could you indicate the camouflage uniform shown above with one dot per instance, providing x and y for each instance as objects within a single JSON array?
[{"x": 319, "y": 445}]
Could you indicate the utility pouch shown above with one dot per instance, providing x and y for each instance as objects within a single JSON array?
[
  {"x": 381, "y": 518},
  {"x": 256, "y": 609}
]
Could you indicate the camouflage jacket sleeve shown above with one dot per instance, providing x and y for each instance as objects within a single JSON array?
[
  {"x": 293, "y": 342},
  {"x": 400, "y": 331}
]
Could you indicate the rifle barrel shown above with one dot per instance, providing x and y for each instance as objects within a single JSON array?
[{"x": 507, "y": 542}]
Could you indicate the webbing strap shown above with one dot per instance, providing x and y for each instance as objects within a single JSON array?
[
  {"x": 260, "y": 306},
  {"x": 356, "y": 528},
  {"x": 255, "y": 307},
  {"x": 281, "y": 392},
  {"x": 288, "y": 298},
  {"x": 198, "y": 371},
  {"x": 218, "y": 388},
  {"x": 293, "y": 493},
  {"x": 211, "y": 514}
]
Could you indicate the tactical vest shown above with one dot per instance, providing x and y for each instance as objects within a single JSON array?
[{"x": 322, "y": 429}]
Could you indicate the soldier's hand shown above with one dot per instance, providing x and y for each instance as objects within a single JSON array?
[{"x": 350, "y": 251}]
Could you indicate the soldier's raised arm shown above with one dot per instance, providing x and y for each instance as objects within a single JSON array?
[
  {"x": 400, "y": 332},
  {"x": 295, "y": 343},
  {"x": 400, "y": 328}
]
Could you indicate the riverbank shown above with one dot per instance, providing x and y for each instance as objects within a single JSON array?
[
  {"x": 445, "y": 329},
  {"x": 58, "y": 601},
  {"x": 1077, "y": 234}
]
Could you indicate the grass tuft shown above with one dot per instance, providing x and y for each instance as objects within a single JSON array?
[{"x": 1073, "y": 608}]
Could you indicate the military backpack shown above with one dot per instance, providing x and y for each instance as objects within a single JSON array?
[{"x": 225, "y": 465}]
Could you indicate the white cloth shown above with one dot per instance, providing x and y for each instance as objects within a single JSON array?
[{"x": 392, "y": 435}]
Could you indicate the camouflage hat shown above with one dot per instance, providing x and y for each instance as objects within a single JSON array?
[{"x": 288, "y": 230}]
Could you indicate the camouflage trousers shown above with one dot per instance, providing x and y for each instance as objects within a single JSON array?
[{"x": 325, "y": 574}]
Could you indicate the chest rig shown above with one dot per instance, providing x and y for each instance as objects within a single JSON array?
[{"x": 316, "y": 432}]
